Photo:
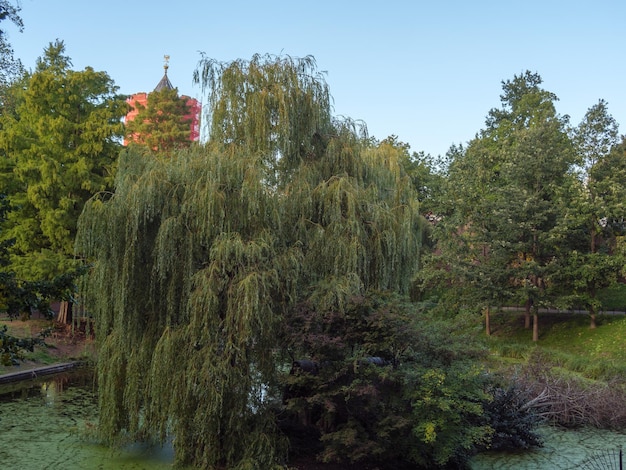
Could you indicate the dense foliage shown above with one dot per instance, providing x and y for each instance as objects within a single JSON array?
[
  {"x": 58, "y": 148},
  {"x": 384, "y": 385},
  {"x": 214, "y": 265},
  {"x": 250, "y": 295},
  {"x": 513, "y": 421},
  {"x": 21, "y": 297},
  {"x": 522, "y": 219},
  {"x": 592, "y": 226},
  {"x": 163, "y": 124}
]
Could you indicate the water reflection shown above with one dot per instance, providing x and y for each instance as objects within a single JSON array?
[
  {"x": 53, "y": 387},
  {"x": 49, "y": 424}
]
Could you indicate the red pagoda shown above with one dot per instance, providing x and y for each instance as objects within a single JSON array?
[{"x": 193, "y": 105}]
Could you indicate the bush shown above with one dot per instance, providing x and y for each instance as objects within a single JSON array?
[
  {"x": 390, "y": 386},
  {"x": 514, "y": 423},
  {"x": 12, "y": 348}
]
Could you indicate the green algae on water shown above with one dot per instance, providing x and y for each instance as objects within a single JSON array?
[{"x": 50, "y": 424}]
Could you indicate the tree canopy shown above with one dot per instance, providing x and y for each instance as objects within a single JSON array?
[
  {"x": 277, "y": 107},
  {"x": 504, "y": 200},
  {"x": 163, "y": 124},
  {"x": 10, "y": 67},
  {"x": 59, "y": 147},
  {"x": 591, "y": 222},
  {"x": 204, "y": 262}
]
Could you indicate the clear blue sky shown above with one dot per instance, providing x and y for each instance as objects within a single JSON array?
[{"x": 426, "y": 71}]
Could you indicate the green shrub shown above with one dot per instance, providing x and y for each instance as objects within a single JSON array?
[
  {"x": 390, "y": 386},
  {"x": 514, "y": 424}
]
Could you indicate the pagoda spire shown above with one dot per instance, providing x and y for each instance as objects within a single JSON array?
[{"x": 165, "y": 83}]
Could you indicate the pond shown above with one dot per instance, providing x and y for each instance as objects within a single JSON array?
[
  {"x": 562, "y": 450},
  {"x": 47, "y": 424},
  {"x": 50, "y": 423}
]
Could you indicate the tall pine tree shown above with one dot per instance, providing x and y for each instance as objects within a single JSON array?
[{"x": 61, "y": 146}]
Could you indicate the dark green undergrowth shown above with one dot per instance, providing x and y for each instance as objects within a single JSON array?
[{"x": 614, "y": 297}]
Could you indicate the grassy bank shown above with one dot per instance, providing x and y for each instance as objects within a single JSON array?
[{"x": 565, "y": 341}]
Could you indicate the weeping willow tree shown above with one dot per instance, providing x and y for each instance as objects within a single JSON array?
[
  {"x": 277, "y": 108},
  {"x": 198, "y": 257}
]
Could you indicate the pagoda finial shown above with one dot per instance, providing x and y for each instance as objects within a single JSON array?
[{"x": 165, "y": 83}]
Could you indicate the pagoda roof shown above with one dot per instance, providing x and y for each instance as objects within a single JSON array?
[{"x": 165, "y": 83}]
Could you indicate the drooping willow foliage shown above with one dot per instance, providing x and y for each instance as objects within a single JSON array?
[
  {"x": 270, "y": 106},
  {"x": 196, "y": 258}
]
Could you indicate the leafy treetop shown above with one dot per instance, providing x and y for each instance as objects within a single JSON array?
[{"x": 61, "y": 147}]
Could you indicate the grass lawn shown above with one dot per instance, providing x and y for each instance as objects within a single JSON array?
[{"x": 566, "y": 340}]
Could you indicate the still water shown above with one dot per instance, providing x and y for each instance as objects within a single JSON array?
[
  {"x": 50, "y": 424},
  {"x": 562, "y": 450}
]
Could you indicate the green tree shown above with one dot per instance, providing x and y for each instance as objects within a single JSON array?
[
  {"x": 11, "y": 78},
  {"x": 202, "y": 260},
  {"x": 383, "y": 386},
  {"x": 504, "y": 200},
  {"x": 18, "y": 296},
  {"x": 425, "y": 172},
  {"x": 10, "y": 67},
  {"x": 595, "y": 205},
  {"x": 465, "y": 259},
  {"x": 164, "y": 124},
  {"x": 22, "y": 297},
  {"x": 61, "y": 147},
  {"x": 531, "y": 208},
  {"x": 282, "y": 112}
]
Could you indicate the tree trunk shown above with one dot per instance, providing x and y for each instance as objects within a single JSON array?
[
  {"x": 65, "y": 313},
  {"x": 592, "y": 245},
  {"x": 487, "y": 322},
  {"x": 527, "y": 314},
  {"x": 592, "y": 314},
  {"x": 592, "y": 291},
  {"x": 535, "y": 327}
]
